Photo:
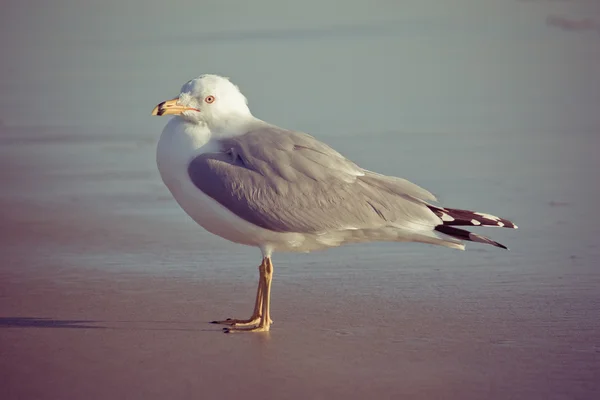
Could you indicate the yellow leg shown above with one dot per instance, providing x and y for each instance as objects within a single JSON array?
[
  {"x": 264, "y": 320},
  {"x": 258, "y": 304}
]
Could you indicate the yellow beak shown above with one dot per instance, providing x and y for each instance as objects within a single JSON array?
[{"x": 170, "y": 107}]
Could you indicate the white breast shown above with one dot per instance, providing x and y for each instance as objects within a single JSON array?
[{"x": 179, "y": 143}]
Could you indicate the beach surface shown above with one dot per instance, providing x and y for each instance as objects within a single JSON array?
[{"x": 107, "y": 287}]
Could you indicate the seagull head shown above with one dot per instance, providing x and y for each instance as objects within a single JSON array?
[{"x": 209, "y": 99}]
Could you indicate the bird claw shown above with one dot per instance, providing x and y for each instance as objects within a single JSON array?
[{"x": 256, "y": 328}]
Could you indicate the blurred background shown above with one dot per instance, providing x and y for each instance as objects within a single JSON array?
[
  {"x": 364, "y": 67},
  {"x": 492, "y": 105}
]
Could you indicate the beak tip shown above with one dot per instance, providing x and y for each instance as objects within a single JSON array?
[{"x": 170, "y": 107}]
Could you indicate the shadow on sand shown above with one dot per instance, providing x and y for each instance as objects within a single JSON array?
[
  {"x": 37, "y": 322},
  {"x": 33, "y": 322}
]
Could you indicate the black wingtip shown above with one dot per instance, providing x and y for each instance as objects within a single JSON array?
[
  {"x": 502, "y": 246},
  {"x": 456, "y": 217},
  {"x": 462, "y": 234}
]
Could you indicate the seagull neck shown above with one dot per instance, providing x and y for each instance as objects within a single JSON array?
[{"x": 235, "y": 126}]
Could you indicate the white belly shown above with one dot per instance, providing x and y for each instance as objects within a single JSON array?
[{"x": 218, "y": 220}]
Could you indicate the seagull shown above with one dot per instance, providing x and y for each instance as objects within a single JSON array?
[{"x": 256, "y": 184}]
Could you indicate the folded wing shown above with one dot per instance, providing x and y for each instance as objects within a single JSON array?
[{"x": 288, "y": 181}]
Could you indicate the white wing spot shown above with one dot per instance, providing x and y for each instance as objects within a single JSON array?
[
  {"x": 500, "y": 223},
  {"x": 487, "y": 216},
  {"x": 446, "y": 217},
  {"x": 475, "y": 222}
]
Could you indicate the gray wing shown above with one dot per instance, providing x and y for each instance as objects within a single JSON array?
[{"x": 288, "y": 181}]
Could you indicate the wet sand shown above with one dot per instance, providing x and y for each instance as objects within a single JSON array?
[{"x": 107, "y": 288}]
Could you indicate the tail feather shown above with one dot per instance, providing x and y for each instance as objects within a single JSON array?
[
  {"x": 454, "y": 217},
  {"x": 466, "y": 235}
]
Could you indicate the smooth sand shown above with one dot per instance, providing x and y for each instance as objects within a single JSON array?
[{"x": 106, "y": 292}]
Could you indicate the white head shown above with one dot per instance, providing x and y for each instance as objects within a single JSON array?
[{"x": 209, "y": 99}]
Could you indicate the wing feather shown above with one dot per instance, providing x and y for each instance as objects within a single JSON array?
[{"x": 288, "y": 181}]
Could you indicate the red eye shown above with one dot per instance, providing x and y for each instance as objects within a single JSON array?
[{"x": 209, "y": 99}]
